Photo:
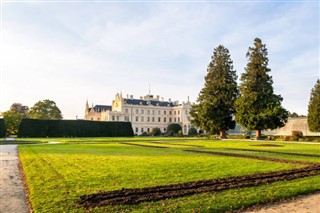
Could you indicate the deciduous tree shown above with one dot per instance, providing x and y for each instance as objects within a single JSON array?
[
  {"x": 214, "y": 109},
  {"x": 258, "y": 108},
  {"x": 314, "y": 108},
  {"x": 12, "y": 120},
  {"x": 46, "y": 110}
]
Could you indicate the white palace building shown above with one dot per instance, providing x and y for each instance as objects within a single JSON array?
[{"x": 145, "y": 113}]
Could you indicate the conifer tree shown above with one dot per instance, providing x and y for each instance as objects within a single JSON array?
[
  {"x": 314, "y": 109},
  {"x": 258, "y": 108},
  {"x": 215, "y": 105}
]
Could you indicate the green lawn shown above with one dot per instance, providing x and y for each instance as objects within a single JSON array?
[{"x": 57, "y": 175}]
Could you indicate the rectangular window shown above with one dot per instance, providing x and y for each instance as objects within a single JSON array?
[
  {"x": 170, "y": 120},
  {"x": 148, "y": 112},
  {"x": 159, "y": 119},
  {"x": 152, "y": 112},
  {"x": 142, "y": 111},
  {"x": 137, "y": 118},
  {"x": 126, "y": 118},
  {"x": 152, "y": 119},
  {"x": 148, "y": 119},
  {"x": 178, "y": 112},
  {"x": 159, "y": 112},
  {"x": 179, "y": 120},
  {"x": 165, "y": 112},
  {"x": 175, "y": 112},
  {"x": 142, "y": 119},
  {"x": 117, "y": 118},
  {"x": 142, "y": 130},
  {"x": 137, "y": 130},
  {"x": 137, "y": 111},
  {"x": 113, "y": 117},
  {"x": 175, "y": 120},
  {"x": 169, "y": 112},
  {"x": 127, "y": 110},
  {"x": 165, "y": 120}
]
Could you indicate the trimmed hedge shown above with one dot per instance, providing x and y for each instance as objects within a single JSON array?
[
  {"x": 73, "y": 128},
  {"x": 2, "y": 128}
]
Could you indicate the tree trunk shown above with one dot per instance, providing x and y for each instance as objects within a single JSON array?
[
  {"x": 258, "y": 134},
  {"x": 223, "y": 134}
]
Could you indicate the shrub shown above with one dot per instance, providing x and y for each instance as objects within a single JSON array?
[
  {"x": 174, "y": 127},
  {"x": 156, "y": 132},
  {"x": 144, "y": 134},
  {"x": 2, "y": 128},
  {"x": 73, "y": 128},
  {"x": 170, "y": 133},
  {"x": 192, "y": 131},
  {"x": 296, "y": 135}
]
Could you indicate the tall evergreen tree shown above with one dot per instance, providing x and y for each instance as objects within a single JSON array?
[
  {"x": 258, "y": 108},
  {"x": 314, "y": 108},
  {"x": 215, "y": 105}
]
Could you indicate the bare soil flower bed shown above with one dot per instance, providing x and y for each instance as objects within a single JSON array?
[
  {"x": 143, "y": 145},
  {"x": 252, "y": 157},
  {"x": 138, "y": 195},
  {"x": 267, "y": 151}
]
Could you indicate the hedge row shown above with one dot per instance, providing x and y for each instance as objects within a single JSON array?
[
  {"x": 2, "y": 128},
  {"x": 73, "y": 128}
]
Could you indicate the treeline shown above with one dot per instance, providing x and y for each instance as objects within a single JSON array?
[
  {"x": 2, "y": 128},
  {"x": 73, "y": 128}
]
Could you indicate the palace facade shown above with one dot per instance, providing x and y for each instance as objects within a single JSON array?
[{"x": 145, "y": 113}]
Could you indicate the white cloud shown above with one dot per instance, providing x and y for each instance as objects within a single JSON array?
[{"x": 70, "y": 52}]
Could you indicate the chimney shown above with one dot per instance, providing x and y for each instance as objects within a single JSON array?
[
  {"x": 158, "y": 97},
  {"x": 131, "y": 97}
]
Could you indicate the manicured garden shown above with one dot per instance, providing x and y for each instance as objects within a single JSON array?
[{"x": 59, "y": 175}]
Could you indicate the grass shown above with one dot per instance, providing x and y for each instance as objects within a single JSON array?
[{"x": 57, "y": 175}]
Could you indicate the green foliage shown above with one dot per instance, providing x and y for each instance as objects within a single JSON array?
[
  {"x": 2, "y": 128},
  {"x": 215, "y": 107},
  {"x": 293, "y": 115},
  {"x": 156, "y": 131},
  {"x": 192, "y": 131},
  {"x": 19, "y": 108},
  {"x": 314, "y": 108},
  {"x": 296, "y": 135},
  {"x": 258, "y": 108},
  {"x": 12, "y": 120},
  {"x": 73, "y": 128},
  {"x": 174, "y": 128},
  {"x": 46, "y": 110}
]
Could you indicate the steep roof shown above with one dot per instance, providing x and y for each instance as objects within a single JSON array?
[
  {"x": 100, "y": 108},
  {"x": 146, "y": 102}
]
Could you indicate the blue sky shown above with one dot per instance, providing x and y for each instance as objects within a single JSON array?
[{"x": 73, "y": 51}]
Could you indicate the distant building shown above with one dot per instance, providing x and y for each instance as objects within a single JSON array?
[
  {"x": 293, "y": 124},
  {"x": 145, "y": 113}
]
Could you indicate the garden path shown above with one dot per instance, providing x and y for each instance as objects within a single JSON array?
[
  {"x": 12, "y": 196},
  {"x": 304, "y": 204}
]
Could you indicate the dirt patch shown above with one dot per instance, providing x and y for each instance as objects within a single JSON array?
[
  {"x": 252, "y": 157},
  {"x": 176, "y": 144},
  {"x": 267, "y": 151},
  {"x": 275, "y": 145},
  {"x": 143, "y": 145},
  {"x": 135, "y": 196}
]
